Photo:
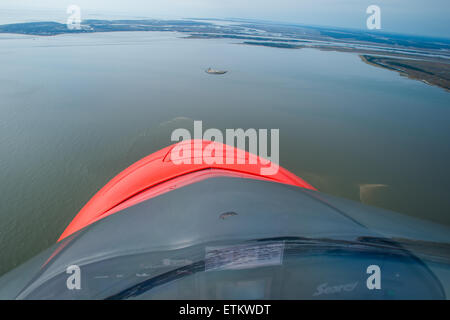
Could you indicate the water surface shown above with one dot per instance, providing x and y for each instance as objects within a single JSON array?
[{"x": 77, "y": 109}]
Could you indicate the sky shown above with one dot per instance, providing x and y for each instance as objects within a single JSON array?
[{"x": 420, "y": 17}]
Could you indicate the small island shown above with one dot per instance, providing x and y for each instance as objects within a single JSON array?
[
  {"x": 426, "y": 59},
  {"x": 212, "y": 71}
]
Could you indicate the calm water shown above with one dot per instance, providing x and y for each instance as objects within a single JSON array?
[{"x": 77, "y": 109}]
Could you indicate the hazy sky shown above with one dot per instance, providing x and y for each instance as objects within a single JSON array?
[{"x": 427, "y": 17}]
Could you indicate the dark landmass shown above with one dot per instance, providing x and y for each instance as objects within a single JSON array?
[
  {"x": 273, "y": 44},
  {"x": 241, "y": 30},
  {"x": 430, "y": 72},
  {"x": 230, "y": 36},
  {"x": 347, "y": 35},
  {"x": 90, "y": 26},
  {"x": 420, "y": 58}
]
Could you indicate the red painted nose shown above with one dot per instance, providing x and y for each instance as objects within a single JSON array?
[{"x": 175, "y": 166}]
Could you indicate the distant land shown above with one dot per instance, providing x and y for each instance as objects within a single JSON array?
[
  {"x": 416, "y": 57},
  {"x": 430, "y": 72}
]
